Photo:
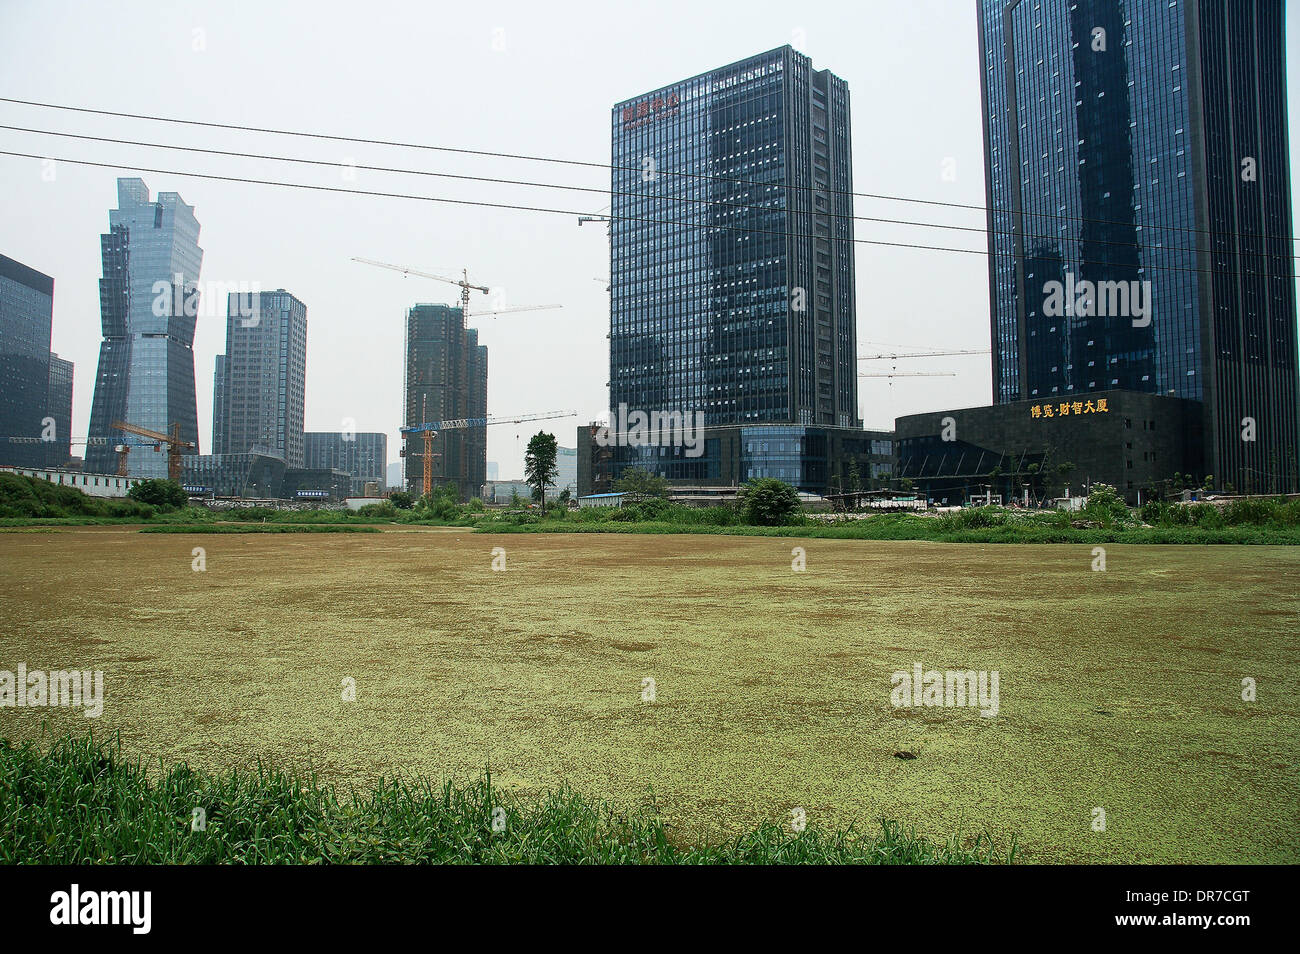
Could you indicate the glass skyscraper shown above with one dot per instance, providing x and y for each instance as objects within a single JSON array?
[
  {"x": 26, "y": 323},
  {"x": 148, "y": 301},
  {"x": 731, "y": 254},
  {"x": 1137, "y": 171},
  {"x": 260, "y": 383}
]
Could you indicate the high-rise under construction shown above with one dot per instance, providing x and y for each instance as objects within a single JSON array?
[{"x": 446, "y": 379}]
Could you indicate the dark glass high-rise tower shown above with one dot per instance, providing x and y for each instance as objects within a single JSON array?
[
  {"x": 148, "y": 303},
  {"x": 731, "y": 252},
  {"x": 1139, "y": 148},
  {"x": 26, "y": 322}
]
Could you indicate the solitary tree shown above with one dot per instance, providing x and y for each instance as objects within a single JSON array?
[
  {"x": 539, "y": 463},
  {"x": 1063, "y": 472},
  {"x": 855, "y": 479}
]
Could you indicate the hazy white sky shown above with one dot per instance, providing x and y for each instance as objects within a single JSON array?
[{"x": 528, "y": 78}]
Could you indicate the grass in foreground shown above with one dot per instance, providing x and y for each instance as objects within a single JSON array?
[{"x": 80, "y": 802}]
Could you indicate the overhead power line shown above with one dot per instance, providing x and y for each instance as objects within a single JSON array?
[
  {"x": 310, "y": 187},
  {"x": 236, "y": 127},
  {"x": 329, "y": 163},
  {"x": 443, "y": 199},
  {"x": 921, "y": 354}
]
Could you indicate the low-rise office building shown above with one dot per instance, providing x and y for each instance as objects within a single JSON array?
[
  {"x": 316, "y": 483},
  {"x": 259, "y": 473},
  {"x": 364, "y": 455},
  {"x": 1039, "y": 448}
]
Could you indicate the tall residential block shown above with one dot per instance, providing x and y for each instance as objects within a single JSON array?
[
  {"x": 1139, "y": 214},
  {"x": 446, "y": 379},
  {"x": 260, "y": 386},
  {"x": 26, "y": 322},
  {"x": 148, "y": 301}
]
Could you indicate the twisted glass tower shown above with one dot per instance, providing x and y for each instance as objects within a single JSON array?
[{"x": 148, "y": 301}]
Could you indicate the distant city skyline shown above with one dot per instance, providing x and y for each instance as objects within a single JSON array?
[{"x": 539, "y": 88}]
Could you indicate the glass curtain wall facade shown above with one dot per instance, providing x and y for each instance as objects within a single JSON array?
[
  {"x": 1136, "y": 151},
  {"x": 363, "y": 455},
  {"x": 26, "y": 324},
  {"x": 731, "y": 254},
  {"x": 148, "y": 300},
  {"x": 58, "y": 452},
  {"x": 259, "y": 395},
  {"x": 257, "y": 473}
]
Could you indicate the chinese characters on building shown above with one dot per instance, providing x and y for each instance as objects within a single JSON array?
[
  {"x": 648, "y": 110},
  {"x": 1068, "y": 408}
]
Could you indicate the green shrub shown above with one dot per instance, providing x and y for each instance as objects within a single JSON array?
[
  {"x": 1156, "y": 512},
  {"x": 768, "y": 502},
  {"x": 1204, "y": 515},
  {"x": 164, "y": 495},
  {"x": 1105, "y": 505},
  {"x": 1253, "y": 512},
  {"x": 442, "y": 508},
  {"x": 722, "y": 515},
  {"x": 973, "y": 518},
  {"x": 33, "y": 497},
  {"x": 248, "y": 513}
]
